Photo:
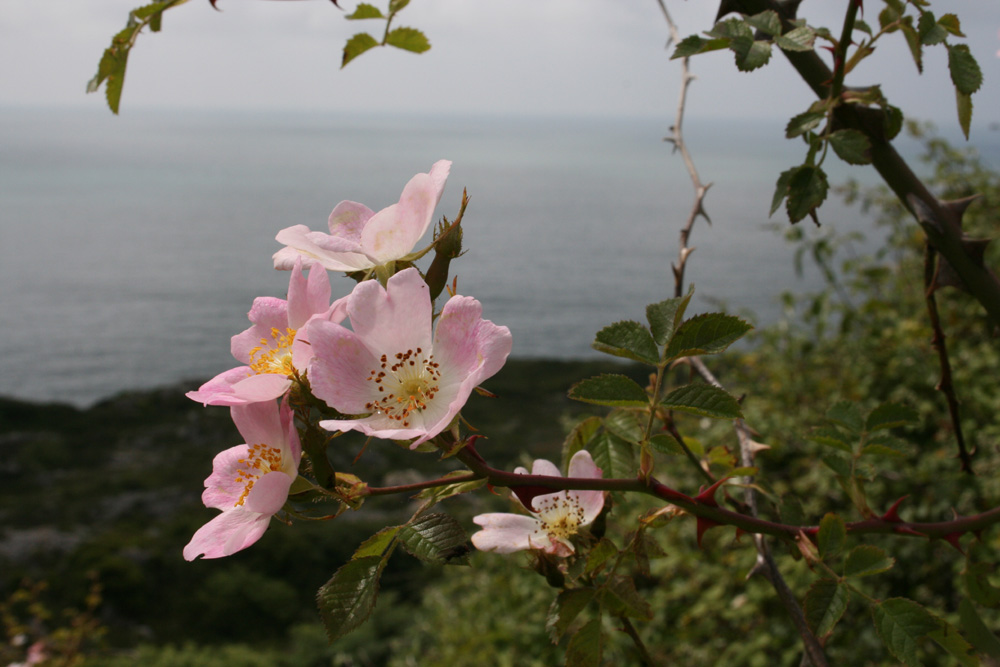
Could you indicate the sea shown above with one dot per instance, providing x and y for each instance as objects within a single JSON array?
[{"x": 132, "y": 247}]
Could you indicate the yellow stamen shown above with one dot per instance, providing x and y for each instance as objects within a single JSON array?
[
  {"x": 260, "y": 460},
  {"x": 275, "y": 355}
]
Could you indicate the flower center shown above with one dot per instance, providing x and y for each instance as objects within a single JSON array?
[
  {"x": 275, "y": 355},
  {"x": 560, "y": 515},
  {"x": 404, "y": 385},
  {"x": 260, "y": 460}
]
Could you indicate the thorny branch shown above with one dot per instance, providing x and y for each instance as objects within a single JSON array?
[{"x": 765, "y": 562}]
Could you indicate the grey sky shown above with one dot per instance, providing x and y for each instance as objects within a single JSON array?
[{"x": 595, "y": 57}]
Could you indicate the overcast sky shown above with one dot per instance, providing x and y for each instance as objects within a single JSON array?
[{"x": 594, "y": 57}]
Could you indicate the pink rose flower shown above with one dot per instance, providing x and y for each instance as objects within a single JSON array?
[
  {"x": 557, "y": 516},
  {"x": 361, "y": 239},
  {"x": 250, "y": 482},
  {"x": 407, "y": 381},
  {"x": 274, "y": 348}
]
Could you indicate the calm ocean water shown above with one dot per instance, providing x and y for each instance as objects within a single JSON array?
[{"x": 131, "y": 248}]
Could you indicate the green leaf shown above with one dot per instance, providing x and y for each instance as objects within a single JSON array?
[
  {"x": 964, "y": 103},
  {"x": 887, "y": 16},
  {"x": 627, "y": 339},
  {"x": 863, "y": 27},
  {"x": 706, "y": 334},
  {"x": 825, "y": 604},
  {"x": 365, "y": 11},
  {"x": 979, "y": 566},
  {"x": 564, "y": 610},
  {"x": 804, "y": 122},
  {"x": 930, "y": 31},
  {"x": 951, "y": 23},
  {"x": 665, "y": 316},
  {"x": 831, "y": 536},
  {"x": 852, "y": 146},
  {"x": 578, "y": 438},
  {"x": 964, "y": 69},
  {"x": 979, "y": 635},
  {"x": 600, "y": 554},
  {"x": 797, "y": 39},
  {"x": 586, "y": 646},
  {"x": 892, "y": 122},
  {"x": 397, "y": 5},
  {"x": 866, "y": 560},
  {"x": 609, "y": 389},
  {"x": 757, "y": 55},
  {"x": 832, "y": 437},
  {"x": 437, "y": 494},
  {"x": 435, "y": 538},
  {"x": 839, "y": 465},
  {"x": 949, "y": 638},
  {"x": 666, "y": 444},
  {"x": 891, "y": 415},
  {"x": 347, "y": 600},
  {"x": 377, "y": 544},
  {"x": 846, "y": 414},
  {"x": 613, "y": 456},
  {"x": 806, "y": 191},
  {"x": 703, "y": 400},
  {"x": 625, "y": 424},
  {"x": 624, "y": 600},
  {"x": 900, "y": 623},
  {"x": 733, "y": 28},
  {"x": 913, "y": 41},
  {"x": 694, "y": 45},
  {"x": 357, "y": 45},
  {"x": 882, "y": 449},
  {"x": 408, "y": 39},
  {"x": 781, "y": 189},
  {"x": 767, "y": 21}
]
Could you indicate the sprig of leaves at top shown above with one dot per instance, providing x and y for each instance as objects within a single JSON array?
[
  {"x": 750, "y": 38},
  {"x": 667, "y": 338},
  {"x": 111, "y": 69},
  {"x": 408, "y": 39}
]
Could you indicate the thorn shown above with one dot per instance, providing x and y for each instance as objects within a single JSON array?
[
  {"x": 703, "y": 525},
  {"x": 906, "y": 530},
  {"x": 707, "y": 496},
  {"x": 958, "y": 206},
  {"x": 892, "y": 515},
  {"x": 954, "y": 540},
  {"x": 815, "y": 218},
  {"x": 212, "y": 2}
]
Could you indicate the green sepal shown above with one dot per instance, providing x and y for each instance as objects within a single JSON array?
[
  {"x": 610, "y": 389},
  {"x": 627, "y": 339},
  {"x": 703, "y": 400}
]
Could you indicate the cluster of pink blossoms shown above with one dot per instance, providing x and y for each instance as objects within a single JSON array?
[{"x": 399, "y": 377}]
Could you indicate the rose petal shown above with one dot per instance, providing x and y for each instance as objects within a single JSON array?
[
  {"x": 340, "y": 369},
  {"x": 505, "y": 533},
  {"x": 226, "y": 534}
]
